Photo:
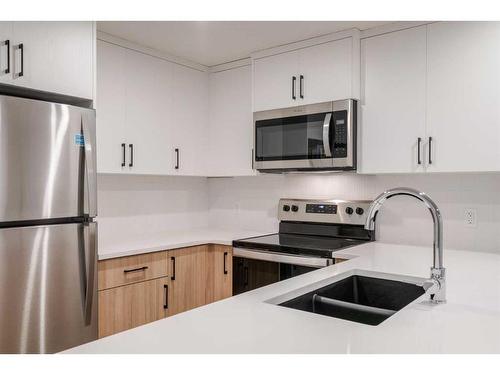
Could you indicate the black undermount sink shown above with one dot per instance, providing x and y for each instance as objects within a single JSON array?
[{"x": 361, "y": 299}]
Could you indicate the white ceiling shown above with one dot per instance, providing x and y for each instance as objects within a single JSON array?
[{"x": 215, "y": 42}]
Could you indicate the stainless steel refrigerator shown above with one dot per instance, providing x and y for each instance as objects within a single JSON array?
[{"x": 48, "y": 236}]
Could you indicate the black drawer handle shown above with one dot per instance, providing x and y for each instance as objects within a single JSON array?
[
  {"x": 7, "y": 44},
  {"x": 144, "y": 268},
  {"x": 173, "y": 268},
  {"x": 123, "y": 155},
  {"x": 419, "y": 142},
  {"x": 245, "y": 272},
  {"x": 176, "y": 158},
  {"x": 21, "y": 49},
  {"x": 430, "y": 150},
  {"x": 165, "y": 305},
  {"x": 225, "y": 260},
  {"x": 131, "y": 147},
  {"x": 293, "y": 87},
  {"x": 301, "y": 89}
]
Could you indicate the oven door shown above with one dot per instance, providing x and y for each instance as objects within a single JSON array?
[{"x": 253, "y": 269}]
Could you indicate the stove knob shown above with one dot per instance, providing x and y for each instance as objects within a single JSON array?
[
  {"x": 360, "y": 211},
  {"x": 295, "y": 208},
  {"x": 349, "y": 210},
  {"x": 286, "y": 208}
]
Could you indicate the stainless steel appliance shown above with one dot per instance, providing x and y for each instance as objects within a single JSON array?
[
  {"x": 310, "y": 232},
  {"x": 320, "y": 137},
  {"x": 48, "y": 279}
]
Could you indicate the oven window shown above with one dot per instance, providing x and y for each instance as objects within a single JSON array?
[
  {"x": 291, "y": 138},
  {"x": 249, "y": 274}
]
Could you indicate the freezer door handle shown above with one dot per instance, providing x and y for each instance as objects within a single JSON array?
[
  {"x": 90, "y": 251},
  {"x": 88, "y": 130}
]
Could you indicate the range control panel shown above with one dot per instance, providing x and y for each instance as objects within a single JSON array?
[{"x": 323, "y": 211}]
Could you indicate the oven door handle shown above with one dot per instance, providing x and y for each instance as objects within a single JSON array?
[
  {"x": 326, "y": 135},
  {"x": 282, "y": 258}
]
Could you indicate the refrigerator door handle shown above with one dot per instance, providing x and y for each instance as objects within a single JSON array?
[
  {"x": 88, "y": 120},
  {"x": 90, "y": 232}
]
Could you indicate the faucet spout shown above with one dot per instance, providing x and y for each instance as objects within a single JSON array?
[{"x": 437, "y": 269}]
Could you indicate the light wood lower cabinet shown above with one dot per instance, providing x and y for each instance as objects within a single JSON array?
[
  {"x": 132, "y": 305},
  {"x": 197, "y": 276}
]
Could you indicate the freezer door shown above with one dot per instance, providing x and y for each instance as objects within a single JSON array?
[
  {"x": 47, "y": 160},
  {"x": 48, "y": 287}
]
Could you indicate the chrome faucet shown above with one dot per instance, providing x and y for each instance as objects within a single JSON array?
[{"x": 436, "y": 285}]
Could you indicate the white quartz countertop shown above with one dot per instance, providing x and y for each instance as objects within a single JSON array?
[
  {"x": 147, "y": 243},
  {"x": 468, "y": 323}
]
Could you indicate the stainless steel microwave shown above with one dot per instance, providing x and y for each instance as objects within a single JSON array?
[{"x": 316, "y": 137}]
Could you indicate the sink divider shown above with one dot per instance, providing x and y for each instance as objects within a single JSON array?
[{"x": 317, "y": 299}]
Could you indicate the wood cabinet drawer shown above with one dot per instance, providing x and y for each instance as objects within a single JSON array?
[{"x": 132, "y": 269}]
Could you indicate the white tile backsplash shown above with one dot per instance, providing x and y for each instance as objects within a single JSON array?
[
  {"x": 250, "y": 203},
  {"x": 135, "y": 205}
]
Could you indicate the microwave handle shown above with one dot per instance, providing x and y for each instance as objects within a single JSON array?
[{"x": 326, "y": 135}]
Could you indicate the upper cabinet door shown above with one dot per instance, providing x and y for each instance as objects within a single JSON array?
[
  {"x": 464, "y": 96},
  {"x": 57, "y": 57},
  {"x": 230, "y": 106},
  {"x": 276, "y": 81},
  {"x": 148, "y": 113},
  {"x": 325, "y": 72},
  {"x": 110, "y": 107},
  {"x": 393, "y": 71},
  {"x": 189, "y": 118},
  {"x": 5, "y": 51}
]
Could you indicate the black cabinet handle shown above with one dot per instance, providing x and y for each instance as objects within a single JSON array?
[
  {"x": 176, "y": 158},
  {"x": 21, "y": 48},
  {"x": 123, "y": 156},
  {"x": 245, "y": 271},
  {"x": 225, "y": 260},
  {"x": 144, "y": 268},
  {"x": 293, "y": 87},
  {"x": 7, "y": 43},
  {"x": 419, "y": 142},
  {"x": 131, "y": 147},
  {"x": 173, "y": 268},
  {"x": 165, "y": 288},
  {"x": 301, "y": 89},
  {"x": 430, "y": 150}
]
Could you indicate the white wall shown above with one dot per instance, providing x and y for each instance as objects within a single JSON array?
[
  {"x": 251, "y": 203},
  {"x": 130, "y": 206}
]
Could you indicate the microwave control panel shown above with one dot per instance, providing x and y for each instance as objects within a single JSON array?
[{"x": 339, "y": 123}]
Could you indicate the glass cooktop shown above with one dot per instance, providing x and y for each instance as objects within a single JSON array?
[{"x": 298, "y": 244}]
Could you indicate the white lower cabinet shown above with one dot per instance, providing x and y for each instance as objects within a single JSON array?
[
  {"x": 439, "y": 83},
  {"x": 230, "y": 140},
  {"x": 393, "y": 102},
  {"x": 56, "y": 57}
]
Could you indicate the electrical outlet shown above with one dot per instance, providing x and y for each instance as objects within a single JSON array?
[{"x": 470, "y": 217}]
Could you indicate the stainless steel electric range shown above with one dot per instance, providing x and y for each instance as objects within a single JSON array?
[{"x": 310, "y": 232}]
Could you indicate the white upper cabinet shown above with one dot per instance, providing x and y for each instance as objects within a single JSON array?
[
  {"x": 275, "y": 81},
  {"x": 147, "y": 108},
  {"x": 319, "y": 73},
  {"x": 230, "y": 139},
  {"x": 189, "y": 122},
  {"x": 55, "y": 57},
  {"x": 5, "y": 51},
  {"x": 463, "y": 100},
  {"x": 110, "y": 107},
  {"x": 325, "y": 72},
  {"x": 148, "y": 113},
  {"x": 392, "y": 118}
]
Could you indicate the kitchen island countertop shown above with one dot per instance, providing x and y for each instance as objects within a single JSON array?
[{"x": 468, "y": 323}]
